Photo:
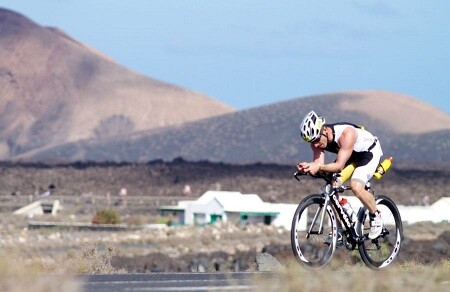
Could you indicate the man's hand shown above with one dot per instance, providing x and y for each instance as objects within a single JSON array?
[
  {"x": 309, "y": 167},
  {"x": 301, "y": 167}
]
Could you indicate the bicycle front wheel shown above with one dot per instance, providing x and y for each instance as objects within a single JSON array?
[
  {"x": 313, "y": 247},
  {"x": 380, "y": 252}
]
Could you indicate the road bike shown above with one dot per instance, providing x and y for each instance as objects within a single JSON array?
[{"x": 320, "y": 225}]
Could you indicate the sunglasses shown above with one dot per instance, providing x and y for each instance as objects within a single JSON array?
[{"x": 316, "y": 140}]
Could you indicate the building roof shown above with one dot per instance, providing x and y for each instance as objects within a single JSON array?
[
  {"x": 181, "y": 206},
  {"x": 237, "y": 202},
  {"x": 251, "y": 204},
  {"x": 443, "y": 203}
]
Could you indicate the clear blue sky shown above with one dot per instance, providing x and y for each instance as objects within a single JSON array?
[{"x": 248, "y": 53}]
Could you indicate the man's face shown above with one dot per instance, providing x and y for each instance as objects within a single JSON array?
[{"x": 321, "y": 141}]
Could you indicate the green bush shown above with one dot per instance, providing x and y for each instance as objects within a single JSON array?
[{"x": 106, "y": 217}]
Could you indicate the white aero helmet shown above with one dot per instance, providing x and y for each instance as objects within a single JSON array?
[{"x": 311, "y": 126}]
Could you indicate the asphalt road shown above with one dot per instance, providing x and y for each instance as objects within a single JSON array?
[{"x": 239, "y": 281}]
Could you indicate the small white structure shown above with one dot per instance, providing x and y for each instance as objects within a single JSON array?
[
  {"x": 39, "y": 208},
  {"x": 230, "y": 207}
]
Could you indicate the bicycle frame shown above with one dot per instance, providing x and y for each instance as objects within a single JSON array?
[
  {"x": 348, "y": 224},
  {"x": 330, "y": 194}
]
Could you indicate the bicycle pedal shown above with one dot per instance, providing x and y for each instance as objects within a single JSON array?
[{"x": 339, "y": 242}]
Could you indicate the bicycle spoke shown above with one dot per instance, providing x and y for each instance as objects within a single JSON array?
[
  {"x": 310, "y": 243},
  {"x": 310, "y": 233},
  {"x": 380, "y": 252}
]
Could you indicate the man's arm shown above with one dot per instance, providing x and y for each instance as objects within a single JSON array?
[
  {"x": 346, "y": 142},
  {"x": 318, "y": 155}
]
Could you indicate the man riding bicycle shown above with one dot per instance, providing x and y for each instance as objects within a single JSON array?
[{"x": 352, "y": 144}]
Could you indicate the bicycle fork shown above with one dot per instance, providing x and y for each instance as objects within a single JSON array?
[{"x": 323, "y": 209}]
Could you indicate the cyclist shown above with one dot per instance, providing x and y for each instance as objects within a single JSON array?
[{"x": 352, "y": 144}]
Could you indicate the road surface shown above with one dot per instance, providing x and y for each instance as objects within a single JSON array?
[{"x": 238, "y": 281}]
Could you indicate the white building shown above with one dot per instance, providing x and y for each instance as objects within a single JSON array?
[
  {"x": 437, "y": 212},
  {"x": 230, "y": 207}
]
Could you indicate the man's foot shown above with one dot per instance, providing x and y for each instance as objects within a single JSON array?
[{"x": 376, "y": 225}]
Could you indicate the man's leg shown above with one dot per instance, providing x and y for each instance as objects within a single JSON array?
[
  {"x": 367, "y": 199},
  {"x": 363, "y": 195}
]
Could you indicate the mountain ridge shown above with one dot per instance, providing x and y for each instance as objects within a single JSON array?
[
  {"x": 55, "y": 89},
  {"x": 267, "y": 134}
]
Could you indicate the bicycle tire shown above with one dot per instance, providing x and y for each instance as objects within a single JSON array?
[
  {"x": 317, "y": 250},
  {"x": 382, "y": 251}
]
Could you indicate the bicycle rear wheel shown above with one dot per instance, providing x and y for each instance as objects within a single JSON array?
[
  {"x": 382, "y": 251},
  {"x": 313, "y": 249}
]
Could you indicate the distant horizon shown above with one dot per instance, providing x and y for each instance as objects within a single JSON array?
[{"x": 222, "y": 48}]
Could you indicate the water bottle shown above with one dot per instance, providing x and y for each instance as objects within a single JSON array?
[
  {"x": 348, "y": 209},
  {"x": 383, "y": 167},
  {"x": 346, "y": 173}
]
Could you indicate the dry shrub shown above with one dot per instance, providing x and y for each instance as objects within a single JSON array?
[
  {"x": 106, "y": 217},
  {"x": 358, "y": 278},
  {"x": 18, "y": 274},
  {"x": 164, "y": 220},
  {"x": 93, "y": 258}
]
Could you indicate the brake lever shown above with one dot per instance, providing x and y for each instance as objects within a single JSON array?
[{"x": 297, "y": 174}]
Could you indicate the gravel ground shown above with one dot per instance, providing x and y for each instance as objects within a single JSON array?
[
  {"x": 214, "y": 247},
  {"x": 83, "y": 189}
]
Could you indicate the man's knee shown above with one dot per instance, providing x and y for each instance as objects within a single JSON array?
[{"x": 357, "y": 187}]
